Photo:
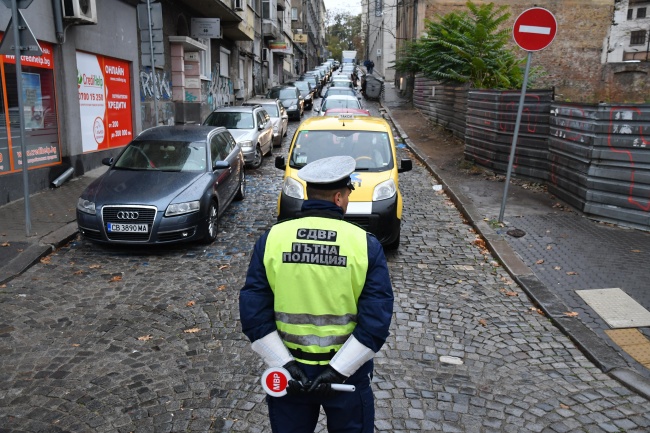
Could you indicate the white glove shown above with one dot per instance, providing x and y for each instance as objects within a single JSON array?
[
  {"x": 351, "y": 357},
  {"x": 272, "y": 349}
]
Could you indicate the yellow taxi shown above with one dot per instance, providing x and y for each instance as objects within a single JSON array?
[{"x": 376, "y": 202}]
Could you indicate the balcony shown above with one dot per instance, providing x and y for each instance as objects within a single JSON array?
[{"x": 270, "y": 30}]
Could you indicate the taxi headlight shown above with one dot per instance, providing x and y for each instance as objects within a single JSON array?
[
  {"x": 293, "y": 188},
  {"x": 384, "y": 190},
  {"x": 182, "y": 208},
  {"x": 86, "y": 206}
]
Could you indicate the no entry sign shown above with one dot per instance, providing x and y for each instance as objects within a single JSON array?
[{"x": 534, "y": 29}]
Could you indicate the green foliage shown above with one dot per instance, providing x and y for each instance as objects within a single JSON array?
[
  {"x": 343, "y": 33},
  {"x": 466, "y": 47}
]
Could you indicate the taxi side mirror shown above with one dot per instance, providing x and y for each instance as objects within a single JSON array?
[
  {"x": 280, "y": 162},
  {"x": 405, "y": 165}
]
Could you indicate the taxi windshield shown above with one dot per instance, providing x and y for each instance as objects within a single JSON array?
[{"x": 370, "y": 149}]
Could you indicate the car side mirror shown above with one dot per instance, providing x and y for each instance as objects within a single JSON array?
[
  {"x": 220, "y": 165},
  {"x": 280, "y": 162},
  {"x": 405, "y": 165},
  {"x": 107, "y": 161},
  {"x": 260, "y": 126}
]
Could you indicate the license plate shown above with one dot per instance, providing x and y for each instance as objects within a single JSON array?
[{"x": 128, "y": 228}]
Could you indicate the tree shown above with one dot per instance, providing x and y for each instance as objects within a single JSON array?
[
  {"x": 465, "y": 47},
  {"x": 343, "y": 33}
]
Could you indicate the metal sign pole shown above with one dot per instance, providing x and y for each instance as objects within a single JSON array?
[
  {"x": 21, "y": 110},
  {"x": 515, "y": 136},
  {"x": 153, "y": 63}
]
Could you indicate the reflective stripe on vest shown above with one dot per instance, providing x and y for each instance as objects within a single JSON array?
[{"x": 316, "y": 268}]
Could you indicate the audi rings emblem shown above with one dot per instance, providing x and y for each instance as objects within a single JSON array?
[{"x": 127, "y": 215}]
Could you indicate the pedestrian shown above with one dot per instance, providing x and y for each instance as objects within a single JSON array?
[
  {"x": 318, "y": 301},
  {"x": 371, "y": 66}
]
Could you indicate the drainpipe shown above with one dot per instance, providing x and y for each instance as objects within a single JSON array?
[{"x": 58, "y": 21}]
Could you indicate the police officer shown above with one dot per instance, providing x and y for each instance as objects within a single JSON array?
[{"x": 318, "y": 301}]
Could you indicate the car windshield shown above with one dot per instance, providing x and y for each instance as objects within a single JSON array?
[
  {"x": 370, "y": 149},
  {"x": 282, "y": 93},
  {"x": 163, "y": 156},
  {"x": 230, "y": 120},
  {"x": 340, "y": 103},
  {"x": 340, "y": 91},
  {"x": 302, "y": 85},
  {"x": 272, "y": 109}
]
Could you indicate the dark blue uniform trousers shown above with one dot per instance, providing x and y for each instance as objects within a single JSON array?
[{"x": 346, "y": 412}]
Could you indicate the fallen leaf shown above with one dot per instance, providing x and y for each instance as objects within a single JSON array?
[
  {"x": 482, "y": 322},
  {"x": 5, "y": 244},
  {"x": 572, "y": 273},
  {"x": 221, "y": 287},
  {"x": 145, "y": 338},
  {"x": 222, "y": 267},
  {"x": 95, "y": 266},
  {"x": 191, "y": 331},
  {"x": 78, "y": 272},
  {"x": 46, "y": 260},
  {"x": 115, "y": 279},
  {"x": 539, "y": 262},
  {"x": 571, "y": 314},
  {"x": 537, "y": 310},
  {"x": 557, "y": 268},
  {"x": 564, "y": 406},
  {"x": 549, "y": 247},
  {"x": 4, "y": 286},
  {"x": 636, "y": 251},
  {"x": 511, "y": 294},
  {"x": 190, "y": 304},
  {"x": 76, "y": 345},
  {"x": 20, "y": 250}
]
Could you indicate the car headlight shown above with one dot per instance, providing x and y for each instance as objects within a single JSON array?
[
  {"x": 182, "y": 208},
  {"x": 293, "y": 188},
  {"x": 86, "y": 206},
  {"x": 384, "y": 190},
  {"x": 293, "y": 107},
  {"x": 246, "y": 145}
]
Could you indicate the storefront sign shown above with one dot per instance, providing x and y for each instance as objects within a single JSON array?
[
  {"x": 104, "y": 87},
  {"x": 279, "y": 47}
]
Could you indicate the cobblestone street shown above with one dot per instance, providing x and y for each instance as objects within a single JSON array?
[{"x": 106, "y": 339}]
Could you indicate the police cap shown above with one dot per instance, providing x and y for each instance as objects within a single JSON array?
[{"x": 329, "y": 173}]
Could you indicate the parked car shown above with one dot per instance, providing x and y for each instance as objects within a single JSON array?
[
  {"x": 306, "y": 90},
  {"x": 315, "y": 83},
  {"x": 339, "y": 101},
  {"x": 376, "y": 203},
  {"x": 290, "y": 98},
  {"x": 170, "y": 184},
  {"x": 279, "y": 117},
  {"x": 252, "y": 128},
  {"x": 341, "y": 91}
]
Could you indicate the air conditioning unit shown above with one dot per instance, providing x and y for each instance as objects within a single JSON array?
[
  {"x": 239, "y": 5},
  {"x": 80, "y": 11},
  {"x": 265, "y": 54}
]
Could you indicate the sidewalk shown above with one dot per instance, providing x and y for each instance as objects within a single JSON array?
[
  {"x": 53, "y": 224},
  {"x": 558, "y": 252}
]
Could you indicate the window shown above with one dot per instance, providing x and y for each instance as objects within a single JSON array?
[
  {"x": 204, "y": 60},
  {"x": 378, "y": 8},
  {"x": 224, "y": 62},
  {"x": 641, "y": 13},
  {"x": 294, "y": 14},
  {"x": 637, "y": 37},
  {"x": 630, "y": 14},
  {"x": 266, "y": 9}
]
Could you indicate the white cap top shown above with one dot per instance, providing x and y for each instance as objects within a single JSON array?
[{"x": 334, "y": 170}]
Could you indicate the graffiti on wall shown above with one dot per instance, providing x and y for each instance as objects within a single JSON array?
[
  {"x": 160, "y": 88},
  {"x": 220, "y": 91}
]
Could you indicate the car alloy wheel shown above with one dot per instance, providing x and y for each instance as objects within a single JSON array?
[
  {"x": 212, "y": 224},
  {"x": 257, "y": 159},
  {"x": 241, "y": 192}
]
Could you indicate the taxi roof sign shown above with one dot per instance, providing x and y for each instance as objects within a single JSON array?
[{"x": 346, "y": 116}]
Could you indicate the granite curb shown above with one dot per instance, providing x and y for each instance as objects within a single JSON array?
[{"x": 594, "y": 348}]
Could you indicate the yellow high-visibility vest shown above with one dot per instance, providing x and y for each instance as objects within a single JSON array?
[{"x": 316, "y": 268}]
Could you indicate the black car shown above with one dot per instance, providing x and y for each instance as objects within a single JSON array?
[
  {"x": 306, "y": 90},
  {"x": 315, "y": 82},
  {"x": 170, "y": 184},
  {"x": 291, "y": 99}
]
